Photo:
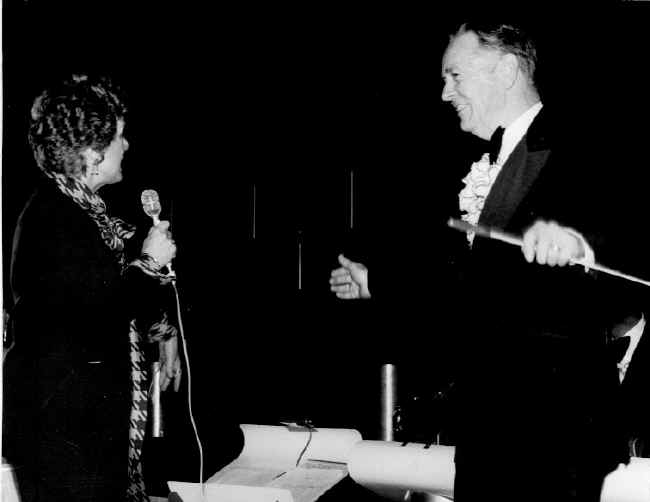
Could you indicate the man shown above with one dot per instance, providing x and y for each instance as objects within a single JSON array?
[{"x": 532, "y": 382}]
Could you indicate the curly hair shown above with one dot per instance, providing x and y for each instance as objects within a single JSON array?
[
  {"x": 508, "y": 40},
  {"x": 78, "y": 113}
]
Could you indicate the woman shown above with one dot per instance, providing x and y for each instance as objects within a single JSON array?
[{"x": 80, "y": 305}]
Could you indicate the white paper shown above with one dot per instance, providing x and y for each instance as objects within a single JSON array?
[
  {"x": 191, "y": 492},
  {"x": 311, "y": 480},
  {"x": 250, "y": 475},
  {"x": 387, "y": 464},
  {"x": 272, "y": 463},
  {"x": 278, "y": 446},
  {"x": 8, "y": 486},
  {"x": 628, "y": 483}
]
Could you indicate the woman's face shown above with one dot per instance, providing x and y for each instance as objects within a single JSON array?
[{"x": 110, "y": 168}]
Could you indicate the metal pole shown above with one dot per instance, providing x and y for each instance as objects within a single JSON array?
[
  {"x": 388, "y": 401},
  {"x": 351, "y": 199},
  {"x": 156, "y": 409},
  {"x": 299, "y": 260},
  {"x": 254, "y": 217}
]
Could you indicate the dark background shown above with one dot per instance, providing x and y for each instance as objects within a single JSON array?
[{"x": 288, "y": 101}]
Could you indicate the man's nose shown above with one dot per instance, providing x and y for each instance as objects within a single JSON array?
[{"x": 447, "y": 92}]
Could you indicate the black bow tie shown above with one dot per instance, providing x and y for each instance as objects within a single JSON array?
[
  {"x": 618, "y": 347},
  {"x": 495, "y": 144}
]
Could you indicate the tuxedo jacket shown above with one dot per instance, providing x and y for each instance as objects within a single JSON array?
[
  {"x": 543, "y": 179},
  {"x": 532, "y": 375}
]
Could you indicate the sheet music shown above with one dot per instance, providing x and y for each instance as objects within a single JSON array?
[
  {"x": 311, "y": 480},
  {"x": 268, "y": 462},
  {"x": 413, "y": 466}
]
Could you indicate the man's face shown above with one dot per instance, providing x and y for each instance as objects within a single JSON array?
[{"x": 472, "y": 86}]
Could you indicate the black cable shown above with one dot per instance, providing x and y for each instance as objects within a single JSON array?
[{"x": 311, "y": 433}]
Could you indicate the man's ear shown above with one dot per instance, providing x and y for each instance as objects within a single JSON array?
[{"x": 508, "y": 69}]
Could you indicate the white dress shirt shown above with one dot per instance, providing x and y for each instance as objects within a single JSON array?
[
  {"x": 515, "y": 131},
  {"x": 635, "y": 334}
]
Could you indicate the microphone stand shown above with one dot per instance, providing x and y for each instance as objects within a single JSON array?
[
  {"x": 388, "y": 401},
  {"x": 157, "y": 430}
]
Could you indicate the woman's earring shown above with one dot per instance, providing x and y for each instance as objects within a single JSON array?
[{"x": 92, "y": 159}]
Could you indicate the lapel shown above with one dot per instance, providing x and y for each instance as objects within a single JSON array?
[{"x": 517, "y": 176}]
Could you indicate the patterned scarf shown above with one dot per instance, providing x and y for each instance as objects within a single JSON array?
[{"x": 113, "y": 232}]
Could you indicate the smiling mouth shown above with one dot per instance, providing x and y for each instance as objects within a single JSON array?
[{"x": 460, "y": 108}]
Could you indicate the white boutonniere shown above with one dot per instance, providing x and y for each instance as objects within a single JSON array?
[{"x": 478, "y": 183}]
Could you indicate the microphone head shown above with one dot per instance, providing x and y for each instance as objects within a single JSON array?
[{"x": 150, "y": 203}]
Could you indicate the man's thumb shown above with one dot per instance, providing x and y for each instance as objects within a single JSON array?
[{"x": 344, "y": 261}]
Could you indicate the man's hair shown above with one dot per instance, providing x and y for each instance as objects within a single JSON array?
[
  {"x": 508, "y": 40},
  {"x": 78, "y": 113}
]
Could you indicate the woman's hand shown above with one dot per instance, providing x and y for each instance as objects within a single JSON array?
[
  {"x": 170, "y": 364},
  {"x": 159, "y": 244}
]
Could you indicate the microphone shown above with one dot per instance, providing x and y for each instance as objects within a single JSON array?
[
  {"x": 492, "y": 233},
  {"x": 151, "y": 207},
  {"x": 151, "y": 204}
]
